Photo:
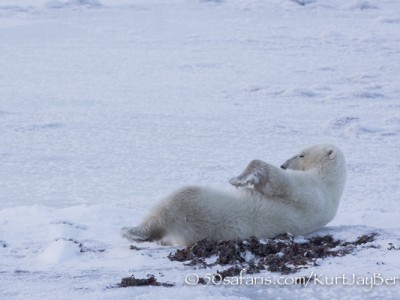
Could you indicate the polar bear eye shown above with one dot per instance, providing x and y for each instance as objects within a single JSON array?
[{"x": 301, "y": 155}]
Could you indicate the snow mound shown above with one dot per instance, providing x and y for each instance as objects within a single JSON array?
[{"x": 59, "y": 251}]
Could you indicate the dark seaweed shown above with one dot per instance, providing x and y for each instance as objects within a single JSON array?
[
  {"x": 150, "y": 280},
  {"x": 281, "y": 254}
]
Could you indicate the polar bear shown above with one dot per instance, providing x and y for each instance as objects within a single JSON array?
[{"x": 299, "y": 197}]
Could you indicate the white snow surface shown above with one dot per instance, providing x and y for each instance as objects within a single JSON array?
[{"x": 108, "y": 106}]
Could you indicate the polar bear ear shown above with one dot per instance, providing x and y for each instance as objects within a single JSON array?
[{"x": 331, "y": 153}]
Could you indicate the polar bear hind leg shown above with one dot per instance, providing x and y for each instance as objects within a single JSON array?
[
  {"x": 146, "y": 232},
  {"x": 181, "y": 218}
]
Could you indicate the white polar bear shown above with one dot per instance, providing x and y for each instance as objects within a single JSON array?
[{"x": 300, "y": 197}]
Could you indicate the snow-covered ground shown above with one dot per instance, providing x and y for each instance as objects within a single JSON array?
[{"x": 106, "y": 106}]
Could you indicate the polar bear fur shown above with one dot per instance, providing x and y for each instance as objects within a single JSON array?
[{"x": 299, "y": 197}]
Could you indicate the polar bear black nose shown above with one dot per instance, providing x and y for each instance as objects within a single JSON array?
[{"x": 283, "y": 167}]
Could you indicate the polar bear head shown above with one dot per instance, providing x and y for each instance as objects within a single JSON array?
[
  {"x": 324, "y": 158},
  {"x": 325, "y": 163}
]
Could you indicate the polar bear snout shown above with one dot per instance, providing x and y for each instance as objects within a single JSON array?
[{"x": 288, "y": 164}]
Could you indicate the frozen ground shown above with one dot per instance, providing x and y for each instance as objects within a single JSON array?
[{"x": 106, "y": 106}]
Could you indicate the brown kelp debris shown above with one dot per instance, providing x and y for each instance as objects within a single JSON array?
[
  {"x": 282, "y": 254},
  {"x": 150, "y": 280}
]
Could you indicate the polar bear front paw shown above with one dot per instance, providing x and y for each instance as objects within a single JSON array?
[{"x": 245, "y": 180}]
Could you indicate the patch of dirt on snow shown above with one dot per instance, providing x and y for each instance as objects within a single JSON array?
[
  {"x": 282, "y": 254},
  {"x": 150, "y": 280}
]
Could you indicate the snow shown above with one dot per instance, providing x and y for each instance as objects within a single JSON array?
[{"x": 108, "y": 106}]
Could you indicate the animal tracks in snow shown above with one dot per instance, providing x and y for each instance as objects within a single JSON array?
[
  {"x": 355, "y": 127},
  {"x": 67, "y": 243},
  {"x": 69, "y": 223}
]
